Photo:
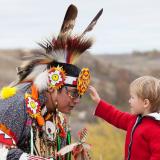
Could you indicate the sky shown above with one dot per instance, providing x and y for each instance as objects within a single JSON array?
[{"x": 125, "y": 25}]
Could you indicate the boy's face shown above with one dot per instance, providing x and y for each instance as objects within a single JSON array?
[{"x": 137, "y": 104}]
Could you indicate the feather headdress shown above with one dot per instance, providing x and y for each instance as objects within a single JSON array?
[{"x": 64, "y": 49}]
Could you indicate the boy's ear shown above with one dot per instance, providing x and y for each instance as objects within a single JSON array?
[{"x": 146, "y": 103}]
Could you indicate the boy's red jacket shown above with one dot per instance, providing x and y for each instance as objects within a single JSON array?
[{"x": 143, "y": 133}]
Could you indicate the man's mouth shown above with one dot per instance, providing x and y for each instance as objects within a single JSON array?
[{"x": 71, "y": 107}]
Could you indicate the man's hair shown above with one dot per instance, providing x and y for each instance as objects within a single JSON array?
[{"x": 147, "y": 87}]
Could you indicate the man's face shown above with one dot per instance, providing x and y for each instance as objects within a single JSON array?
[{"x": 67, "y": 99}]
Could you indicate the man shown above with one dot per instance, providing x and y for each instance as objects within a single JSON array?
[{"x": 32, "y": 123}]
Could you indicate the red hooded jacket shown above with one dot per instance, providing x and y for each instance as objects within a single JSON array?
[{"x": 143, "y": 133}]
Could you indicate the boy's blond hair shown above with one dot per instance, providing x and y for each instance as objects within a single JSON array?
[{"x": 147, "y": 87}]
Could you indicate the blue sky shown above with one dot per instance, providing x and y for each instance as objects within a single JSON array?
[{"x": 125, "y": 25}]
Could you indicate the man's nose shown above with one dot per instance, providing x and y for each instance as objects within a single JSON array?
[{"x": 77, "y": 100}]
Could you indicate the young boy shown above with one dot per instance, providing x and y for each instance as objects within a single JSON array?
[{"x": 143, "y": 125}]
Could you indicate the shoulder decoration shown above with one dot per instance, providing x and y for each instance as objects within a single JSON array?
[{"x": 33, "y": 106}]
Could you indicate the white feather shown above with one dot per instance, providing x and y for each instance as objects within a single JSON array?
[
  {"x": 67, "y": 149},
  {"x": 37, "y": 69},
  {"x": 41, "y": 81},
  {"x": 60, "y": 55}
]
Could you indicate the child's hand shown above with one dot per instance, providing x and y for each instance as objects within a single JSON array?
[{"x": 94, "y": 95}]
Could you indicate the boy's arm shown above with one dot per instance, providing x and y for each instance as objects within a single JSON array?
[{"x": 112, "y": 115}]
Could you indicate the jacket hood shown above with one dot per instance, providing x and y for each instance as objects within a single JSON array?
[{"x": 154, "y": 115}]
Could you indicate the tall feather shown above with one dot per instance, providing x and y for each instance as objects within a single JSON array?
[
  {"x": 93, "y": 23},
  {"x": 68, "y": 22},
  {"x": 56, "y": 46},
  {"x": 77, "y": 45}
]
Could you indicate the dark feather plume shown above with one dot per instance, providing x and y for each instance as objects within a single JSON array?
[
  {"x": 46, "y": 45},
  {"x": 93, "y": 22},
  {"x": 66, "y": 47},
  {"x": 75, "y": 47}
]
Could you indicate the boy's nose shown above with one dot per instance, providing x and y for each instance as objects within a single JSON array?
[{"x": 129, "y": 101}]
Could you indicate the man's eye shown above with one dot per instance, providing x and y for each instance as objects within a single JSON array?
[{"x": 74, "y": 93}]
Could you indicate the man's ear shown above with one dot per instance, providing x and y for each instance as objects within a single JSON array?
[{"x": 50, "y": 89}]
